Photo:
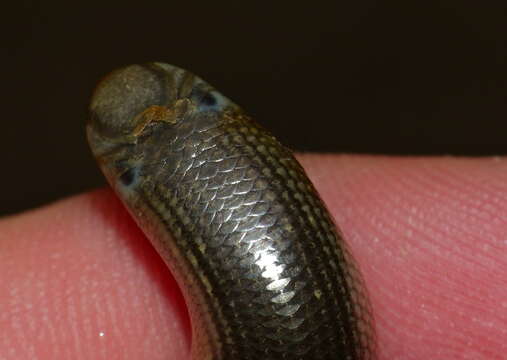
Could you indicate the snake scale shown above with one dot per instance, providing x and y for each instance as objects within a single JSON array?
[{"x": 263, "y": 269}]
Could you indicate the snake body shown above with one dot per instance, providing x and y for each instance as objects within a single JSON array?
[{"x": 263, "y": 270}]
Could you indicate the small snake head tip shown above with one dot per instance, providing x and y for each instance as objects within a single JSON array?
[
  {"x": 130, "y": 98},
  {"x": 124, "y": 94}
]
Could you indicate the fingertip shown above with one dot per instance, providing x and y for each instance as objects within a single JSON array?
[
  {"x": 83, "y": 282},
  {"x": 429, "y": 236}
]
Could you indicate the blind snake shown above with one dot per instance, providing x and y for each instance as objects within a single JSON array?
[{"x": 263, "y": 269}]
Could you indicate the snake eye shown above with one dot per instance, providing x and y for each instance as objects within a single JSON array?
[
  {"x": 128, "y": 177},
  {"x": 208, "y": 100},
  {"x": 205, "y": 99}
]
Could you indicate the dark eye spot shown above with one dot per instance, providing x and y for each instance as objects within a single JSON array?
[
  {"x": 208, "y": 100},
  {"x": 128, "y": 177}
]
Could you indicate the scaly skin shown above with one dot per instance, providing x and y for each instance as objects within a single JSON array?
[{"x": 232, "y": 213}]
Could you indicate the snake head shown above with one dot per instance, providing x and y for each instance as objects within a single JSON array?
[{"x": 130, "y": 99}]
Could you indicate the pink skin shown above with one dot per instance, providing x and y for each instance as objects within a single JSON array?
[{"x": 80, "y": 281}]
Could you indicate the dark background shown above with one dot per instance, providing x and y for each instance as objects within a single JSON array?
[{"x": 385, "y": 77}]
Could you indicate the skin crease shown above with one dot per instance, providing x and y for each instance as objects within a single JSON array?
[{"x": 429, "y": 234}]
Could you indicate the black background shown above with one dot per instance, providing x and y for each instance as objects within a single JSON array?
[{"x": 385, "y": 77}]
